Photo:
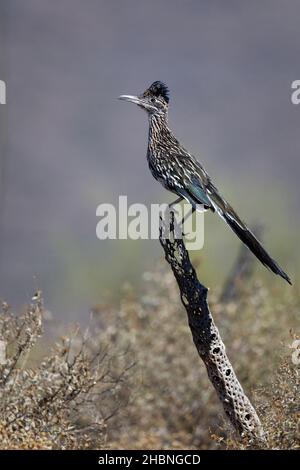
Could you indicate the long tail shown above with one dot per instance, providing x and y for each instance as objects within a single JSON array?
[
  {"x": 253, "y": 244},
  {"x": 208, "y": 194}
]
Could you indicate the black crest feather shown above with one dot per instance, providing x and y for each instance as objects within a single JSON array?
[{"x": 159, "y": 89}]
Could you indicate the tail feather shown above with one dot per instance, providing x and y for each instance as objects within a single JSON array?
[
  {"x": 247, "y": 237},
  {"x": 208, "y": 194}
]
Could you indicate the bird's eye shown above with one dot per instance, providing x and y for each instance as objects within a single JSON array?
[{"x": 152, "y": 100}]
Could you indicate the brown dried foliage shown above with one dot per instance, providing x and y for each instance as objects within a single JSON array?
[
  {"x": 85, "y": 395},
  {"x": 60, "y": 403}
]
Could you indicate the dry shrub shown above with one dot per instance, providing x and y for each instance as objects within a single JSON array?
[
  {"x": 62, "y": 402},
  {"x": 280, "y": 408},
  {"x": 67, "y": 399}
]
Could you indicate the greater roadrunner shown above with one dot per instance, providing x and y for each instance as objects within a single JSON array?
[{"x": 179, "y": 172}]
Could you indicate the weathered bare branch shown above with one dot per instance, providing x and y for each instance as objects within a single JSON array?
[{"x": 207, "y": 338}]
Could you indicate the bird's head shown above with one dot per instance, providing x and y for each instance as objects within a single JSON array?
[{"x": 154, "y": 100}]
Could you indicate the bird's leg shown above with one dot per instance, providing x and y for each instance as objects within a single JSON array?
[
  {"x": 184, "y": 218},
  {"x": 173, "y": 204}
]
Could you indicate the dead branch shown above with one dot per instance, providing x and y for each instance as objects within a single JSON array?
[{"x": 207, "y": 338}]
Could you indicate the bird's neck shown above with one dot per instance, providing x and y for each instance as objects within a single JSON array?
[{"x": 158, "y": 129}]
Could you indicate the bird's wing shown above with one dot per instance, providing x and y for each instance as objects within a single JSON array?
[
  {"x": 200, "y": 189},
  {"x": 193, "y": 179}
]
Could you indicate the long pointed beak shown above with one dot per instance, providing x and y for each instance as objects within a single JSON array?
[{"x": 131, "y": 99}]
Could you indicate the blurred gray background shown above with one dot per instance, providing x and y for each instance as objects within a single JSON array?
[{"x": 67, "y": 144}]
